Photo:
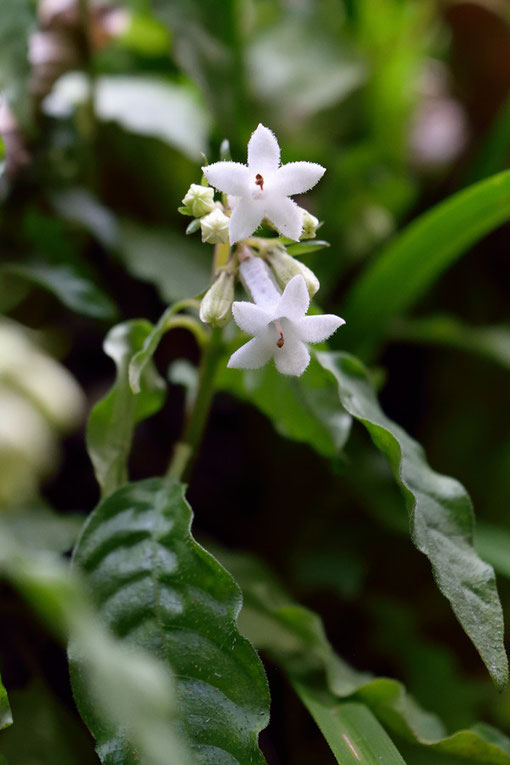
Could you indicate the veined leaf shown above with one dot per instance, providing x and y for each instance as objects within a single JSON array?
[
  {"x": 441, "y": 516},
  {"x": 351, "y": 730},
  {"x": 416, "y": 258},
  {"x": 157, "y": 588},
  {"x": 112, "y": 420},
  {"x": 126, "y": 687},
  {"x": 296, "y": 640},
  {"x": 73, "y": 289},
  {"x": 303, "y": 409}
]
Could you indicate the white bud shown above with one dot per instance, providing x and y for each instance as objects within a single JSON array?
[
  {"x": 199, "y": 200},
  {"x": 216, "y": 305},
  {"x": 215, "y": 227},
  {"x": 285, "y": 267},
  {"x": 310, "y": 223}
]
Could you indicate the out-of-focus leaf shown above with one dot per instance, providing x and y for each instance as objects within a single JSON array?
[
  {"x": 112, "y": 420},
  {"x": 492, "y": 342},
  {"x": 492, "y": 156},
  {"x": 303, "y": 409},
  {"x": 5, "y": 709},
  {"x": 295, "y": 638},
  {"x": 157, "y": 588},
  {"x": 493, "y": 545},
  {"x": 178, "y": 267},
  {"x": 78, "y": 205},
  {"x": 300, "y": 72},
  {"x": 414, "y": 259},
  {"x": 441, "y": 516},
  {"x": 72, "y": 288},
  {"x": 17, "y": 20},
  {"x": 351, "y": 730},
  {"x": 45, "y": 731},
  {"x": 156, "y": 108},
  {"x": 41, "y": 528},
  {"x": 130, "y": 690}
]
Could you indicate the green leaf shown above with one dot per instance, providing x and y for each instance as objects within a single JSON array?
[
  {"x": 441, "y": 516},
  {"x": 158, "y": 589},
  {"x": 493, "y": 545},
  {"x": 112, "y": 420},
  {"x": 17, "y": 21},
  {"x": 295, "y": 638},
  {"x": 178, "y": 267},
  {"x": 73, "y": 289},
  {"x": 307, "y": 247},
  {"x": 413, "y": 260},
  {"x": 127, "y": 688},
  {"x": 491, "y": 342},
  {"x": 55, "y": 734},
  {"x": 303, "y": 409},
  {"x": 351, "y": 730},
  {"x": 145, "y": 106},
  {"x": 5, "y": 709}
]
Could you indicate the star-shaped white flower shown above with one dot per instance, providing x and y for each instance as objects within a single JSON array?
[
  {"x": 281, "y": 330},
  {"x": 263, "y": 186}
]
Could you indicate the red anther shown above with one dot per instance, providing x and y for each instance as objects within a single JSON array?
[{"x": 259, "y": 181}]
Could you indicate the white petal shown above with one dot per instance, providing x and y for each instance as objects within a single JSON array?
[
  {"x": 295, "y": 300},
  {"x": 315, "y": 329},
  {"x": 252, "y": 355},
  {"x": 249, "y": 317},
  {"x": 297, "y": 177},
  {"x": 230, "y": 177},
  {"x": 292, "y": 359},
  {"x": 263, "y": 151},
  {"x": 245, "y": 219},
  {"x": 285, "y": 214}
]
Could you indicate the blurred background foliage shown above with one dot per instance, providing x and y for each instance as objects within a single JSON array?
[{"x": 108, "y": 110}]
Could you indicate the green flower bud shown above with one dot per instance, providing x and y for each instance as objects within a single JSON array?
[
  {"x": 310, "y": 223},
  {"x": 285, "y": 267},
  {"x": 199, "y": 200},
  {"x": 215, "y": 227},
  {"x": 216, "y": 305}
]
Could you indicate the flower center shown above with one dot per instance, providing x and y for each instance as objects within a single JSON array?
[
  {"x": 280, "y": 342},
  {"x": 259, "y": 181}
]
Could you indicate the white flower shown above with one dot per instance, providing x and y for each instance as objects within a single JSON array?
[
  {"x": 281, "y": 330},
  {"x": 262, "y": 187},
  {"x": 214, "y": 227}
]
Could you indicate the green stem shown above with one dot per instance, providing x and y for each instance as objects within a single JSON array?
[{"x": 186, "y": 449}]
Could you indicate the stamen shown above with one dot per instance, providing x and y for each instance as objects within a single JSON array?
[
  {"x": 280, "y": 342},
  {"x": 259, "y": 181}
]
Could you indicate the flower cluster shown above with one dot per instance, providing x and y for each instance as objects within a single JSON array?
[{"x": 254, "y": 193}]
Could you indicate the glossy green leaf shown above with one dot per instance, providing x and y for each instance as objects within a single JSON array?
[
  {"x": 491, "y": 342},
  {"x": 72, "y": 288},
  {"x": 351, "y": 730},
  {"x": 303, "y": 409},
  {"x": 414, "y": 259},
  {"x": 113, "y": 419},
  {"x": 156, "y": 588},
  {"x": 441, "y": 516},
  {"x": 126, "y": 687},
  {"x": 295, "y": 638}
]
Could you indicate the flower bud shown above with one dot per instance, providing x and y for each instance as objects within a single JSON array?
[
  {"x": 310, "y": 223},
  {"x": 285, "y": 267},
  {"x": 216, "y": 305},
  {"x": 199, "y": 200},
  {"x": 214, "y": 227}
]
